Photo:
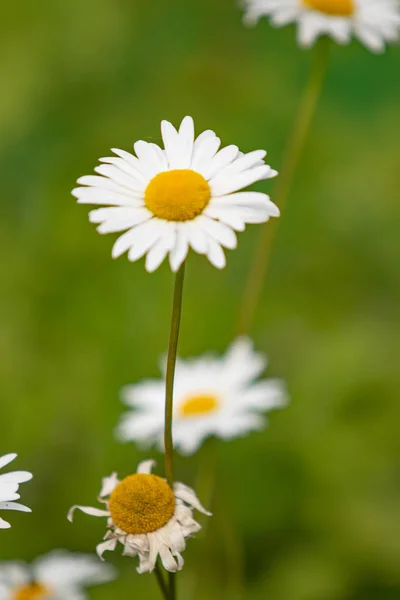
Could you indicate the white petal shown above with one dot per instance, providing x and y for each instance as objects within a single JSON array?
[
  {"x": 227, "y": 215},
  {"x": 61, "y": 568},
  {"x": 108, "y": 484},
  {"x": 118, "y": 219},
  {"x": 108, "y": 545},
  {"x": 159, "y": 251},
  {"x": 14, "y": 506},
  {"x": 188, "y": 495},
  {"x": 121, "y": 178},
  {"x": 96, "y": 195},
  {"x": 197, "y": 237},
  {"x": 180, "y": 250},
  {"x": 222, "y": 184},
  {"x": 146, "y": 466},
  {"x": 222, "y": 159},
  {"x": 15, "y": 477},
  {"x": 4, "y": 524},
  {"x": 150, "y": 159},
  {"x": 88, "y": 510},
  {"x": 128, "y": 239},
  {"x": 7, "y": 459},
  {"x": 215, "y": 254},
  {"x": 129, "y": 164},
  {"x": 218, "y": 231},
  {"x": 146, "y": 236}
]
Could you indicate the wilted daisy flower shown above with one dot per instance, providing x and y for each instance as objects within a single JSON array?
[
  {"x": 9, "y": 484},
  {"x": 147, "y": 517},
  {"x": 212, "y": 396},
  {"x": 59, "y": 575},
  {"x": 373, "y": 22},
  {"x": 185, "y": 195}
]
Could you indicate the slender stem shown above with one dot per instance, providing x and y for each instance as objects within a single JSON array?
[
  {"x": 171, "y": 361},
  {"x": 308, "y": 105},
  {"x": 161, "y": 582},
  {"x": 172, "y": 585}
]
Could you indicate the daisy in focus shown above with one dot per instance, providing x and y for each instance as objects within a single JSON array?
[
  {"x": 212, "y": 397},
  {"x": 147, "y": 517},
  {"x": 59, "y": 575},
  {"x": 373, "y": 22},
  {"x": 183, "y": 196},
  {"x": 9, "y": 484}
]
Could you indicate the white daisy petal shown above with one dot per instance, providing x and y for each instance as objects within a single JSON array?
[
  {"x": 14, "y": 506},
  {"x": 7, "y": 459},
  {"x": 107, "y": 546},
  {"x": 215, "y": 254},
  {"x": 146, "y": 237},
  {"x": 88, "y": 510},
  {"x": 218, "y": 231},
  {"x": 146, "y": 466},
  {"x": 108, "y": 484},
  {"x": 118, "y": 219},
  {"x": 159, "y": 251},
  {"x": 60, "y": 569},
  {"x": 180, "y": 250},
  {"x": 4, "y": 524}
]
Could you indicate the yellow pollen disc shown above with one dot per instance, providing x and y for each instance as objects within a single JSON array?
[
  {"x": 31, "y": 591},
  {"x": 197, "y": 406},
  {"x": 178, "y": 195},
  {"x": 141, "y": 504},
  {"x": 339, "y": 8}
]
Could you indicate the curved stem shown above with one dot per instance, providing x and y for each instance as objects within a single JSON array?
[
  {"x": 306, "y": 111},
  {"x": 171, "y": 361},
  {"x": 161, "y": 582}
]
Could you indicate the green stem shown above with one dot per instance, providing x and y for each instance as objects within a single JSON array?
[
  {"x": 306, "y": 111},
  {"x": 161, "y": 582},
  {"x": 172, "y": 585},
  {"x": 171, "y": 361}
]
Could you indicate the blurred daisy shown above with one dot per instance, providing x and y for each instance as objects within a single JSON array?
[
  {"x": 9, "y": 484},
  {"x": 147, "y": 517},
  {"x": 373, "y": 22},
  {"x": 59, "y": 575},
  {"x": 186, "y": 195},
  {"x": 212, "y": 396}
]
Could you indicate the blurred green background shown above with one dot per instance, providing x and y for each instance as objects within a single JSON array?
[{"x": 314, "y": 499}]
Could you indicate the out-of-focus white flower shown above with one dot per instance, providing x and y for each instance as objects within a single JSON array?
[
  {"x": 212, "y": 396},
  {"x": 9, "y": 485},
  {"x": 183, "y": 196},
  {"x": 60, "y": 575},
  {"x": 147, "y": 517},
  {"x": 373, "y": 22}
]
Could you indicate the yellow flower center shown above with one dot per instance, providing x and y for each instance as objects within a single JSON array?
[
  {"x": 197, "y": 406},
  {"x": 178, "y": 195},
  {"x": 141, "y": 504},
  {"x": 31, "y": 591},
  {"x": 339, "y": 8}
]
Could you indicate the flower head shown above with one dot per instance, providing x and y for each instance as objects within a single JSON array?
[
  {"x": 373, "y": 22},
  {"x": 183, "y": 196},
  {"x": 9, "y": 484},
  {"x": 212, "y": 396},
  {"x": 147, "y": 517},
  {"x": 59, "y": 575}
]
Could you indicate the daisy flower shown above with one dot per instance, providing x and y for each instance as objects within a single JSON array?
[
  {"x": 9, "y": 484},
  {"x": 59, "y": 575},
  {"x": 212, "y": 396},
  {"x": 147, "y": 517},
  {"x": 373, "y": 22},
  {"x": 185, "y": 195}
]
